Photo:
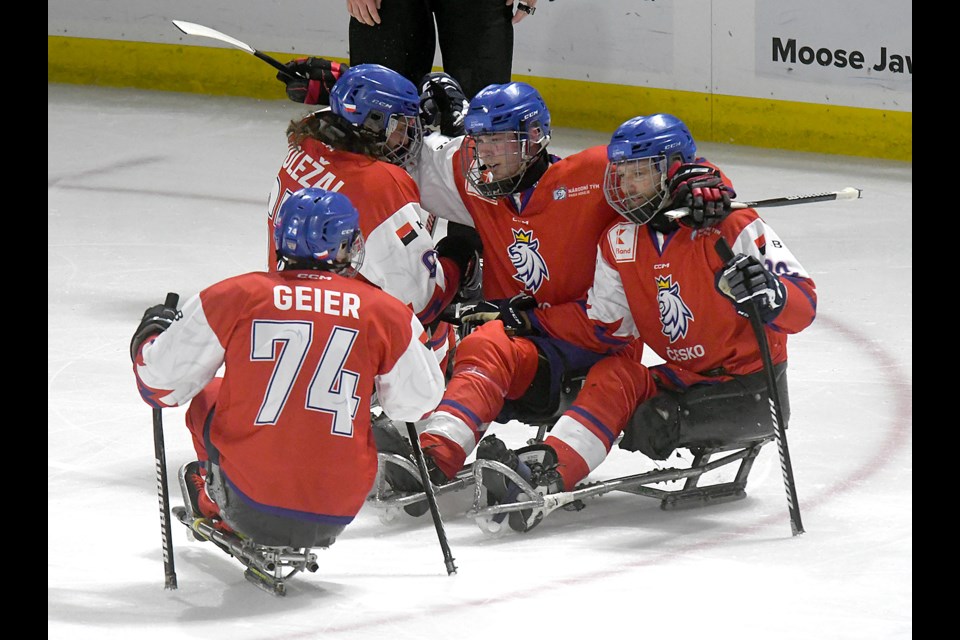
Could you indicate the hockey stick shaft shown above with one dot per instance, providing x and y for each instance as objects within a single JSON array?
[
  {"x": 431, "y": 499},
  {"x": 163, "y": 492},
  {"x": 848, "y": 193},
  {"x": 192, "y": 29},
  {"x": 776, "y": 409}
]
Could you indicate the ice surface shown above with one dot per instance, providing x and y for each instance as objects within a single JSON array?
[{"x": 154, "y": 192}]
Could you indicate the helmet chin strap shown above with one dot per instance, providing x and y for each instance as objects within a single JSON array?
[{"x": 534, "y": 172}]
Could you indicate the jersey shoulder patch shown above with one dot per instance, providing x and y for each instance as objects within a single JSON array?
[{"x": 622, "y": 238}]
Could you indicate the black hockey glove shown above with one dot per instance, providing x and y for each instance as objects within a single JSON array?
[
  {"x": 313, "y": 79},
  {"x": 701, "y": 189},
  {"x": 155, "y": 321},
  {"x": 442, "y": 104},
  {"x": 512, "y": 312},
  {"x": 463, "y": 252},
  {"x": 744, "y": 278}
]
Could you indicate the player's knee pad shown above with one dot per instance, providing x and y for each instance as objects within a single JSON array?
[{"x": 727, "y": 414}]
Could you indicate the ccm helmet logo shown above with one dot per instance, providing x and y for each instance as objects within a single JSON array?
[{"x": 529, "y": 115}]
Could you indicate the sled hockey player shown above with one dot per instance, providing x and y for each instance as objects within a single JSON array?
[
  {"x": 539, "y": 218},
  {"x": 285, "y": 451},
  {"x": 660, "y": 281},
  {"x": 442, "y": 107},
  {"x": 362, "y": 147}
]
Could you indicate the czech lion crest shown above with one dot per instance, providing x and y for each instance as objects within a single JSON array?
[
  {"x": 526, "y": 259},
  {"x": 675, "y": 316}
]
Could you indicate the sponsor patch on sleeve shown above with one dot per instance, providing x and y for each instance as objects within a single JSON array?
[
  {"x": 406, "y": 233},
  {"x": 761, "y": 243},
  {"x": 623, "y": 242}
]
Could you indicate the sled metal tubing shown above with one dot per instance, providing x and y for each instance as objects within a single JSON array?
[
  {"x": 272, "y": 560},
  {"x": 666, "y": 475},
  {"x": 630, "y": 484},
  {"x": 460, "y": 482}
]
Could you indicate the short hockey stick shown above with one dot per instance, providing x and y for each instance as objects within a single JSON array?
[
  {"x": 776, "y": 410},
  {"x": 848, "y": 193},
  {"x": 163, "y": 492},
  {"x": 192, "y": 29},
  {"x": 431, "y": 498}
]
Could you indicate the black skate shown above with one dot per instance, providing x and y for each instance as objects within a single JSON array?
[
  {"x": 518, "y": 477},
  {"x": 399, "y": 483}
]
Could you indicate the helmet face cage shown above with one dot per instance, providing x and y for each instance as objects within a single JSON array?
[
  {"x": 321, "y": 229},
  {"x": 635, "y": 188},
  {"x": 500, "y": 149},
  {"x": 402, "y": 140},
  {"x": 639, "y": 155},
  {"x": 507, "y": 126},
  {"x": 350, "y": 256},
  {"x": 384, "y": 106}
]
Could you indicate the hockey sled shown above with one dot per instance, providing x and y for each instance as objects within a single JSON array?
[
  {"x": 691, "y": 494},
  {"x": 722, "y": 424},
  {"x": 390, "y": 503},
  {"x": 267, "y": 567}
]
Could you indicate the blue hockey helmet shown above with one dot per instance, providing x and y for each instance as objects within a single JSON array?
[
  {"x": 639, "y": 155},
  {"x": 507, "y": 126},
  {"x": 319, "y": 229},
  {"x": 383, "y": 104},
  {"x": 515, "y": 106}
]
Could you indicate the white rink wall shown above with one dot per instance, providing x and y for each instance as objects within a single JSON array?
[{"x": 855, "y": 53}]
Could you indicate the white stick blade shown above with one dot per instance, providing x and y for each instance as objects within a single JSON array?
[
  {"x": 850, "y": 193},
  {"x": 192, "y": 29}
]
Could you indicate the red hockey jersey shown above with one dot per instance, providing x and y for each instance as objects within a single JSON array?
[
  {"x": 303, "y": 353},
  {"x": 541, "y": 241},
  {"x": 400, "y": 256},
  {"x": 662, "y": 290}
]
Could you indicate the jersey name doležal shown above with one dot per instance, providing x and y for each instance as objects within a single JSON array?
[{"x": 306, "y": 171}]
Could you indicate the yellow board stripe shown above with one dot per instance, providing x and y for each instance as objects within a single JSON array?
[{"x": 776, "y": 124}]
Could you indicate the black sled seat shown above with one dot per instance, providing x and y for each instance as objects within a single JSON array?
[
  {"x": 267, "y": 567},
  {"x": 720, "y": 425}
]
